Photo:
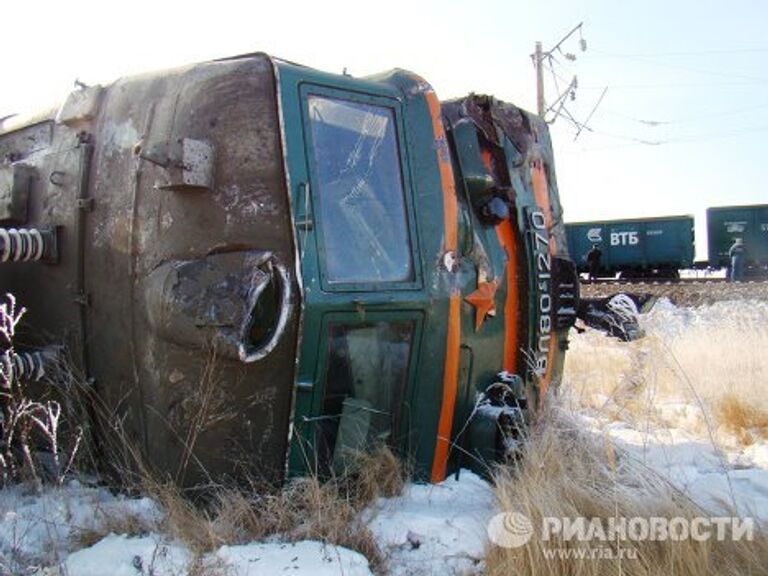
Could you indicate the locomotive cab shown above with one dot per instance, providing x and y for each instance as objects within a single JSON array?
[{"x": 433, "y": 260}]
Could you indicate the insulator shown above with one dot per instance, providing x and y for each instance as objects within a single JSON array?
[
  {"x": 23, "y": 244},
  {"x": 29, "y": 365}
]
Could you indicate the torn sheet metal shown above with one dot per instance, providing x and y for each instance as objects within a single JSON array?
[{"x": 212, "y": 301}]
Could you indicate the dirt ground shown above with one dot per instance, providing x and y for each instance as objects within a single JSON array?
[{"x": 684, "y": 293}]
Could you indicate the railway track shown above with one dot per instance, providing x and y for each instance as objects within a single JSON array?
[
  {"x": 684, "y": 292},
  {"x": 670, "y": 281}
]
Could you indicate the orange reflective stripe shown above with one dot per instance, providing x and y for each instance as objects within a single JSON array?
[
  {"x": 453, "y": 338},
  {"x": 508, "y": 241},
  {"x": 450, "y": 202},
  {"x": 450, "y": 389}
]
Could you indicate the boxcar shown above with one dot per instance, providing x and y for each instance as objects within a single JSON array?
[
  {"x": 640, "y": 247},
  {"x": 750, "y": 223}
]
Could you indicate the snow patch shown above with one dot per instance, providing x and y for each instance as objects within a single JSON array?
[
  {"x": 123, "y": 556},
  {"x": 718, "y": 478},
  {"x": 437, "y": 529},
  {"x": 306, "y": 558},
  {"x": 43, "y": 528},
  {"x": 669, "y": 321}
]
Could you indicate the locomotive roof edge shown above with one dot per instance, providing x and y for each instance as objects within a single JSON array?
[{"x": 13, "y": 122}]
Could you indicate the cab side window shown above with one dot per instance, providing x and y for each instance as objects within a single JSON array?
[
  {"x": 359, "y": 191},
  {"x": 365, "y": 383}
]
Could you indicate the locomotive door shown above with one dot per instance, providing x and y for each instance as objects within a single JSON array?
[{"x": 361, "y": 273}]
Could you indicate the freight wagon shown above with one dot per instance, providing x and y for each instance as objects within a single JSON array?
[
  {"x": 750, "y": 223},
  {"x": 635, "y": 248}
]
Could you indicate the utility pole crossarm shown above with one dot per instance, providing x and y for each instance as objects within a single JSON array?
[
  {"x": 564, "y": 38},
  {"x": 539, "y": 56}
]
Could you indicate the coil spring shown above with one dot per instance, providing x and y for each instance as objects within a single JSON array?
[
  {"x": 26, "y": 365},
  {"x": 21, "y": 245}
]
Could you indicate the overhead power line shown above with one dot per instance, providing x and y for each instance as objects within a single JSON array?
[
  {"x": 555, "y": 60},
  {"x": 671, "y": 85},
  {"x": 589, "y": 116},
  {"x": 674, "y": 66},
  {"x": 631, "y": 141},
  {"x": 654, "y": 123},
  {"x": 688, "y": 53}
]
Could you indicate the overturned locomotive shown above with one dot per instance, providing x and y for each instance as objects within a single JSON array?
[{"x": 263, "y": 268}]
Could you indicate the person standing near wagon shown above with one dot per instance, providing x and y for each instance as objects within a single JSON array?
[
  {"x": 593, "y": 260},
  {"x": 736, "y": 255}
]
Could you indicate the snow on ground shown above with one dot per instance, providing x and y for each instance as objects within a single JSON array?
[
  {"x": 429, "y": 529},
  {"x": 123, "y": 556},
  {"x": 436, "y": 529},
  {"x": 299, "y": 558},
  {"x": 157, "y": 556},
  {"x": 669, "y": 321},
  {"x": 40, "y": 529},
  {"x": 718, "y": 480},
  {"x": 713, "y": 350}
]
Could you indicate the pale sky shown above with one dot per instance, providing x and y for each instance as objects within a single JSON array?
[{"x": 682, "y": 125}]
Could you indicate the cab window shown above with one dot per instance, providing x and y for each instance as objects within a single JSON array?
[
  {"x": 366, "y": 375},
  {"x": 359, "y": 192}
]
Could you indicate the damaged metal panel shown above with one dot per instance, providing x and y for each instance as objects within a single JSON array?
[
  {"x": 219, "y": 247},
  {"x": 178, "y": 305},
  {"x": 80, "y": 107},
  {"x": 496, "y": 119},
  {"x": 215, "y": 301}
]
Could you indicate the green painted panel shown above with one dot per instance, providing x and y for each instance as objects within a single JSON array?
[{"x": 423, "y": 296}]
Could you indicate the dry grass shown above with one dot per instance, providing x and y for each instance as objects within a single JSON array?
[
  {"x": 129, "y": 523},
  {"x": 304, "y": 509},
  {"x": 705, "y": 371},
  {"x": 746, "y": 421},
  {"x": 567, "y": 473}
]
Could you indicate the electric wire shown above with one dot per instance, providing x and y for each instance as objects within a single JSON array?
[
  {"x": 673, "y": 66},
  {"x": 655, "y": 123},
  {"x": 631, "y": 141}
]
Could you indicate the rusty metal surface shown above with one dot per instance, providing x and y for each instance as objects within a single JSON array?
[
  {"x": 28, "y": 139},
  {"x": 191, "y": 403},
  {"x": 16, "y": 181}
]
